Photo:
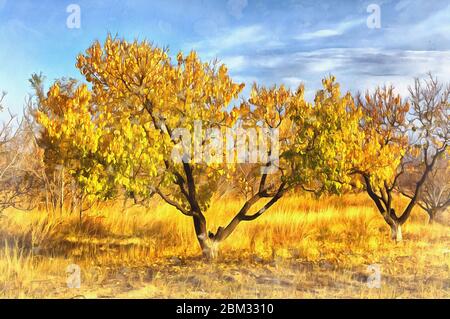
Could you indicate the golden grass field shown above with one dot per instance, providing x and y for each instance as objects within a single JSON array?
[{"x": 300, "y": 248}]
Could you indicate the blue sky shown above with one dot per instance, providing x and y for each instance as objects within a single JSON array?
[{"x": 288, "y": 42}]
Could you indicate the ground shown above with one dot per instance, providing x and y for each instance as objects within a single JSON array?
[{"x": 302, "y": 248}]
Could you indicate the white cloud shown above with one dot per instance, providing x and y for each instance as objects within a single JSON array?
[
  {"x": 268, "y": 61},
  {"x": 241, "y": 36},
  {"x": 325, "y": 33},
  {"x": 230, "y": 39},
  {"x": 235, "y": 63},
  {"x": 429, "y": 31},
  {"x": 15, "y": 28},
  {"x": 337, "y": 30},
  {"x": 292, "y": 81},
  {"x": 238, "y": 63},
  {"x": 437, "y": 24},
  {"x": 357, "y": 69}
]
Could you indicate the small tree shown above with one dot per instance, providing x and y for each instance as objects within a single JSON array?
[
  {"x": 396, "y": 132},
  {"x": 15, "y": 179},
  {"x": 66, "y": 108},
  {"x": 434, "y": 198},
  {"x": 49, "y": 177},
  {"x": 430, "y": 127}
]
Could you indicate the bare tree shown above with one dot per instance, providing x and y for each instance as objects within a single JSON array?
[
  {"x": 434, "y": 198},
  {"x": 15, "y": 182},
  {"x": 430, "y": 114}
]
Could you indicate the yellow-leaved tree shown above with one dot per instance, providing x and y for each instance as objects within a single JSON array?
[
  {"x": 155, "y": 125},
  {"x": 401, "y": 134}
]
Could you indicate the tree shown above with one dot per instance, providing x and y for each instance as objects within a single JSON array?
[
  {"x": 434, "y": 198},
  {"x": 313, "y": 155},
  {"x": 15, "y": 180},
  {"x": 49, "y": 180},
  {"x": 431, "y": 136},
  {"x": 153, "y": 126},
  {"x": 396, "y": 132},
  {"x": 62, "y": 112}
]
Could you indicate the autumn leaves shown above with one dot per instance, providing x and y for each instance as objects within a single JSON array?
[{"x": 116, "y": 135}]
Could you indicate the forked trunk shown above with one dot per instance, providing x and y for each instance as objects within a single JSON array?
[{"x": 395, "y": 224}]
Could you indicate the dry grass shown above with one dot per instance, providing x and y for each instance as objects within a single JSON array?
[{"x": 301, "y": 248}]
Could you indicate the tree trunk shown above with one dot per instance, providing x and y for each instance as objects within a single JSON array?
[
  {"x": 61, "y": 203},
  {"x": 80, "y": 216},
  {"x": 396, "y": 232},
  {"x": 202, "y": 236},
  {"x": 395, "y": 225},
  {"x": 81, "y": 210},
  {"x": 439, "y": 216},
  {"x": 431, "y": 215},
  {"x": 47, "y": 204}
]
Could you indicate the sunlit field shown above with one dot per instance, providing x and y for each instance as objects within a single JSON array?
[{"x": 302, "y": 248}]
